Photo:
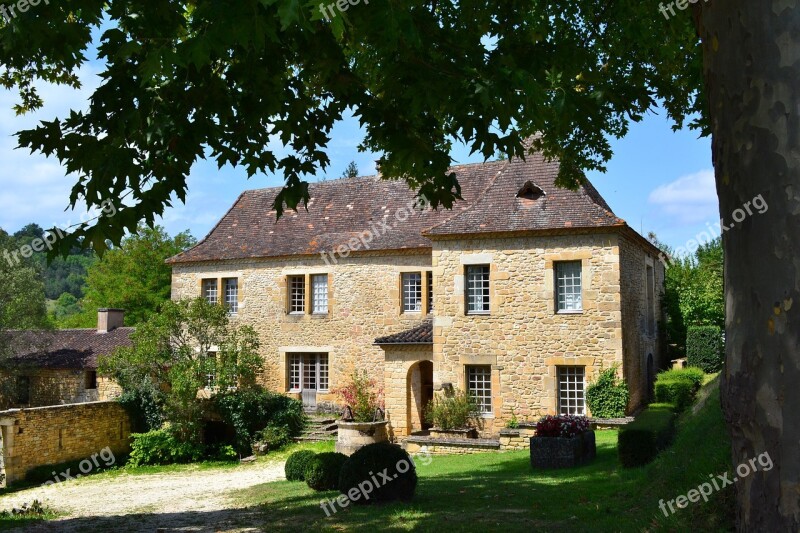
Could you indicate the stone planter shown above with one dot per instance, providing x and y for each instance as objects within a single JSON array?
[
  {"x": 558, "y": 452},
  {"x": 355, "y": 435},
  {"x": 468, "y": 433}
]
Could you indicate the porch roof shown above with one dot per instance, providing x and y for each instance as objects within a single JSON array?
[{"x": 420, "y": 334}]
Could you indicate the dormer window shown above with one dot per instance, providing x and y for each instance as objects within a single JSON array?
[{"x": 530, "y": 191}]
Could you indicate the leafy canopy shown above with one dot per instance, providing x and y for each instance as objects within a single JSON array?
[{"x": 224, "y": 80}]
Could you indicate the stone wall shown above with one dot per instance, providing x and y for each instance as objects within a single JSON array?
[
  {"x": 363, "y": 304},
  {"x": 523, "y": 338},
  {"x": 59, "y": 434},
  {"x": 639, "y": 340},
  {"x": 59, "y": 387}
]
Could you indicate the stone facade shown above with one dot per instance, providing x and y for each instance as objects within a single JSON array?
[
  {"x": 363, "y": 304},
  {"x": 59, "y": 387},
  {"x": 59, "y": 434},
  {"x": 522, "y": 339}
]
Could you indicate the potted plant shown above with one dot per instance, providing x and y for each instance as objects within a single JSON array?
[
  {"x": 363, "y": 421},
  {"x": 562, "y": 441},
  {"x": 454, "y": 416}
]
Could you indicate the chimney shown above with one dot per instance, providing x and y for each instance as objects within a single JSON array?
[{"x": 109, "y": 319}]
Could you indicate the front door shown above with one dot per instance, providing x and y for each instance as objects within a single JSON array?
[
  {"x": 308, "y": 375},
  {"x": 310, "y": 381}
]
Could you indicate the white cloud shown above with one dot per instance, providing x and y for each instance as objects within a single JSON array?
[{"x": 689, "y": 199}]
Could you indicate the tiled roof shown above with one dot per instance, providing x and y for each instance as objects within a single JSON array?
[
  {"x": 65, "y": 349},
  {"x": 341, "y": 210},
  {"x": 499, "y": 209},
  {"x": 421, "y": 334},
  {"x": 338, "y": 211}
]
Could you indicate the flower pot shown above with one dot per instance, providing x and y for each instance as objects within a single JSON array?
[
  {"x": 355, "y": 435},
  {"x": 560, "y": 452}
]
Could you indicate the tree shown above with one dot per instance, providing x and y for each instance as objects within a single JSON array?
[
  {"x": 189, "y": 345},
  {"x": 351, "y": 171},
  {"x": 186, "y": 80},
  {"x": 133, "y": 277}
]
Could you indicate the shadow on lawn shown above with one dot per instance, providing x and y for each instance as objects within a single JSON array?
[{"x": 497, "y": 493}]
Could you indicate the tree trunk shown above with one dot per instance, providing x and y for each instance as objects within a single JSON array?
[{"x": 751, "y": 51}]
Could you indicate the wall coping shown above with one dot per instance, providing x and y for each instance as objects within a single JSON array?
[
  {"x": 14, "y": 412},
  {"x": 488, "y": 444}
]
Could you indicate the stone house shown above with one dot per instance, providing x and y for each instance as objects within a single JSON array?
[
  {"x": 60, "y": 366},
  {"x": 520, "y": 294}
]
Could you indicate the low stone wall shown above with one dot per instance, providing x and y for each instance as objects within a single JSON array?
[
  {"x": 517, "y": 439},
  {"x": 436, "y": 446},
  {"x": 51, "y": 435}
]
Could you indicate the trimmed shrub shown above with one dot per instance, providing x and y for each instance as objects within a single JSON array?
[
  {"x": 704, "y": 348},
  {"x": 459, "y": 411},
  {"x": 296, "y": 465},
  {"x": 640, "y": 441},
  {"x": 361, "y": 471},
  {"x": 324, "y": 469},
  {"x": 161, "y": 447},
  {"x": 677, "y": 392},
  {"x": 693, "y": 374},
  {"x": 608, "y": 396}
]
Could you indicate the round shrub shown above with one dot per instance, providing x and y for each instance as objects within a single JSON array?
[
  {"x": 608, "y": 396},
  {"x": 379, "y": 472},
  {"x": 323, "y": 470},
  {"x": 296, "y": 464}
]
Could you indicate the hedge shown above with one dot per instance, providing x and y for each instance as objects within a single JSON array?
[
  {"x": 677, "y": 392},
  {"x": 704, "y": 348},
  {"x": 640, "y": 441},
  {"x": 608, "y": 396},
  {"x": 324, "y": 469},
  {"x": 361, "y": 472},
  {"x": 692, "y": 374}
]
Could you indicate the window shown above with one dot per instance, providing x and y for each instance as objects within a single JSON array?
[
  {"x": 570, "y": 390},
  {"x": 477, "y": 289},
  {"x": 412, "y": 292},
  {"x": 91, "y": 380},
  {"x": 211, "y": 370},
  {"x": 430, "y": 291},
  {"x": 211, "y": 291},
  {"x": 319, "y": 294},
  {"x": 297, "y": 294},
  {"x": 479, "y": 385},
  {"x": 232, "y": 295},
  {"x": 568, "y": 286},
  {"x": 651, "y": 311},
  {"x": 23, "y": 390},
  {"x": 309, "y": 371}
]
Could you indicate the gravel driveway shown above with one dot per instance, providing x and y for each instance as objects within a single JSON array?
[{"x": 177, "y": 501}]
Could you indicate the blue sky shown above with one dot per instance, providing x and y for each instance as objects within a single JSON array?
[{"x": 658, "y": 180}]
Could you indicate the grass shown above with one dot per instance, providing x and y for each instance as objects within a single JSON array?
[
  {"x": 24, "y": 517},
  {"x": 501, "y": 492}
]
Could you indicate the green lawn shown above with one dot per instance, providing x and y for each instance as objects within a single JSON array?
[{"x": 500, "y": 492}]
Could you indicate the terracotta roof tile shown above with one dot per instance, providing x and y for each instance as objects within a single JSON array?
[{"x": 421, "y": 334}]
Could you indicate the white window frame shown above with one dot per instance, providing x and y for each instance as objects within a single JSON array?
[
  {"x": 571, "y": 390},
  {"x": 231, "y": 296},
  {"x": 297, "y": 294},
  {"x": 319, "y": 294},
  {"x": 412, "y": 291},
  {"x": 479, "y": 384},
  {"x": 298, "y": 377},
  {"x": 478, "y": 289},
  {"x": 569, "y": 287},
  {"x": 210, "y": 288}
]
